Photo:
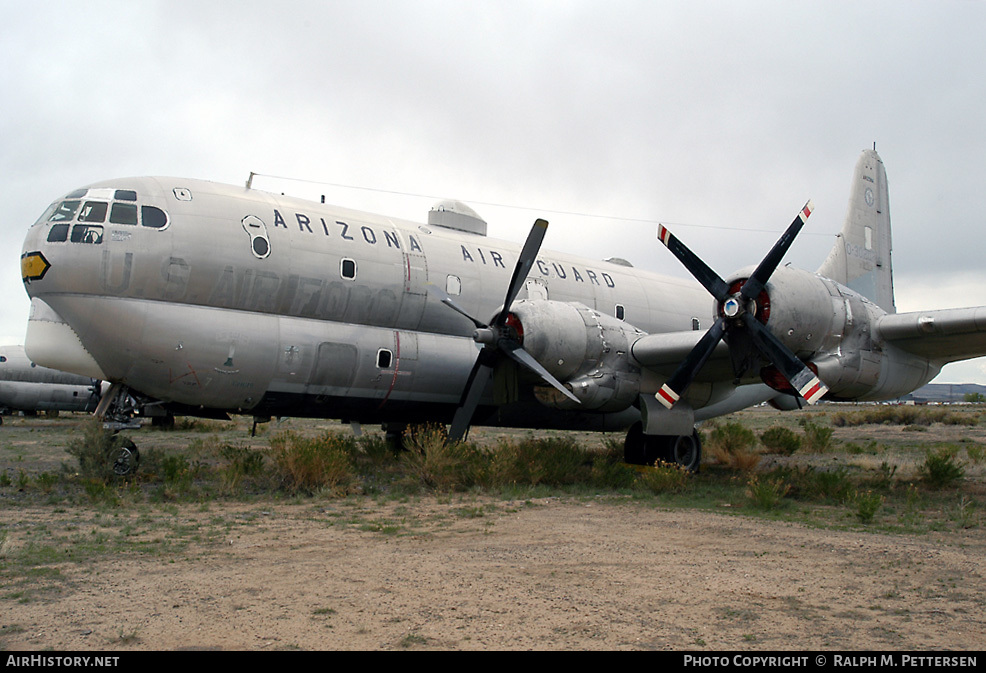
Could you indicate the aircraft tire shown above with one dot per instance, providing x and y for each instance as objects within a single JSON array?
[
  {"x": 641, "y": 449},
  {"x": 126, "y": 459},
  {"x": 686, "y": 451}
]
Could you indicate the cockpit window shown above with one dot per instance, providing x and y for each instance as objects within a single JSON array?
[
  {"x": 123, "y": 213},
  {"x": 123, "y": 209},
  {"x": 93, "y": 211},
  {"x": 65, "y": 211},
  {"x": 86, "y": 233},
  {"x": 58, "y": 233},
  {"x": 153, "y": 217}
]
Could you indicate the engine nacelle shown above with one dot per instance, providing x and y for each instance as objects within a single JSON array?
[
  {"x": 806, "y": 312},
  {"x": 828, "y": 326},
  {"x": 585, "y": 350}
]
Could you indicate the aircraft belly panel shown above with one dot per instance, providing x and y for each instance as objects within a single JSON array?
[
  {"x": 178, "y": 353},
  {"x": 342, "y": 360}
]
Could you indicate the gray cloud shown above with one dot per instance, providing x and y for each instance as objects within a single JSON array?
[{"x": 694, "y": 113}]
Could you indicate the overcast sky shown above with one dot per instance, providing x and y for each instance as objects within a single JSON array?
[{"x": 721, "y": 118}]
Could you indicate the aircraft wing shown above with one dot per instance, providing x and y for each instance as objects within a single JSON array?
[
  {"x": 944, "y": 336},
  {"x": 663, "y": 352}
]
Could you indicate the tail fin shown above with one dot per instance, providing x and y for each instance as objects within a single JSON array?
[{"x": 860, "y": 258}]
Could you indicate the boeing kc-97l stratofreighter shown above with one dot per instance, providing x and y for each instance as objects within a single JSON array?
[{"x": 203, "y": 299}]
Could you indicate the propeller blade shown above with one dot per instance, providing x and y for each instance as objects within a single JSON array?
[
  {"x": 482, "y": 371},
  {"x": 479, "y": 377},
  {"x": 522, "y": 357},
  {"x": 443, "y": 297},
  {"x": 809, "y": 386},
  {"x": 709, "y": 279},
  {"x": 675, "y": 386},
  {"x": 752, "y": 287},
  {"x": 525, "y": 261}
]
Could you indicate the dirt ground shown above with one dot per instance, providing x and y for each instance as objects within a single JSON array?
[
  {"x": 554, "y": 574},
  {"x": 468, "y": 572}
]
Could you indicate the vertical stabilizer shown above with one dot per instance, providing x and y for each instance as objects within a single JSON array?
[{"x": 860, "y": 258}]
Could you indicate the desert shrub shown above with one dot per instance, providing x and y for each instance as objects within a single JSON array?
[
  {"x": 767, "y": 493},
  {"x": 97, "y": 450},
  {"x": 818, "y": 438},
  {"x": 941, "y": 468},
  {"x": 554, "y": 461},
  {"x": 830, "y": 484},
  {"x": 903, "y": 414},
  {"x": 867, "y": 504},
  {"x": 780, "y": 440},
  {"x": 733, "y": 445},
  {"x": 240, "y": 463},
  {"x": 442, "y": 464},
  {"x": 663, "y": 478},
  {"x": 316, "y": 464}
]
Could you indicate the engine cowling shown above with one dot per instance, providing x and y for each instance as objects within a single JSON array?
[
  {"x": 586, "y": 350},
  {"x": 829, "y": 326}
]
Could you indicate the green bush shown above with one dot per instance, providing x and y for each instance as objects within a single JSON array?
[
  {"x": 941, "y": 468},
  {"x": 818, "y": 439},
  {"x": 313, "y": 465},
  {"x": 733, "y": 444},
  {"x": 663, "y": 478},
  {"x": 767, "y": 493},
  {"x": 867, "y": 505},
  {"x": 780, "y": 440},
  {"x": 442, "y": 464}
]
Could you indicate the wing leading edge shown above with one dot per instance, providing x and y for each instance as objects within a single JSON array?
[{"x": 942, "y": 336}]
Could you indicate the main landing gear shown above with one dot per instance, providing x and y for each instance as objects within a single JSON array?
[{"x": 683, "y": 450}]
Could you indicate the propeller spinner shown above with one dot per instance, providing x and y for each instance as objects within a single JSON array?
[
  {"x": 499, "y": 338},
  {"x": 743, "y": 309}
]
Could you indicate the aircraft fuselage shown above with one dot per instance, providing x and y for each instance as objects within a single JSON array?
[{"x": 236, "y": 299}]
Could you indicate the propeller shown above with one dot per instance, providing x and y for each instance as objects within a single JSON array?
[
  {"x": 499, "y": 338},
  {"x": 738, "y": 321}
]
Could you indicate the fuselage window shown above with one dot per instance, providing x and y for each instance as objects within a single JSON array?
[
  {"x": 65, "y": 211},
  {"x": 87, "y": 233},
  {"x": 696, "y": 325},
  {"x": 153, "y": 217},
  {"x": 58, "y": 233},
  {"x": 348, "y": 268},
  {"x": 93, "y": 211},
  {"x": 453, "y": 285},
  {"x": 621, "y": 312},
  {"x": 125, "y": 195},
  {"x": 123, "y": 213},
  {"x": 384, "y": 358}
]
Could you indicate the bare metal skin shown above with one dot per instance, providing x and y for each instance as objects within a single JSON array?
[{"x": 209, "y": 299}]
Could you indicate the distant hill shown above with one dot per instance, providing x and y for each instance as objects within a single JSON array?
[{"x": 944, "y": 392}]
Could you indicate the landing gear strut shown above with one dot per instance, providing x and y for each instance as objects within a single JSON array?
[{"x": 641, "y": 449}]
